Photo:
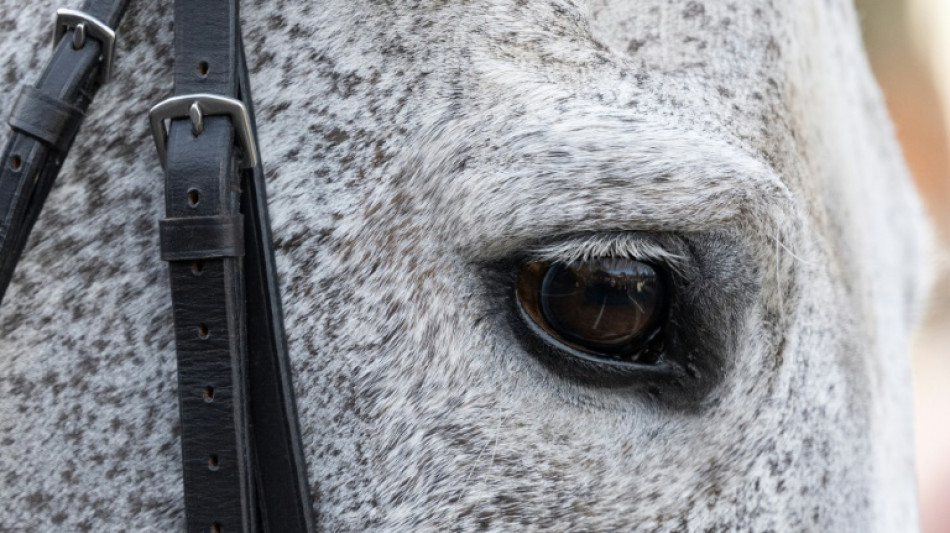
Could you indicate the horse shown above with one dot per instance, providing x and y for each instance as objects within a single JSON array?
[{"x": 418, "y": 155}]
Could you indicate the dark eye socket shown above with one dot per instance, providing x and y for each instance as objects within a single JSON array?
[{"x": 610, "y": 308}]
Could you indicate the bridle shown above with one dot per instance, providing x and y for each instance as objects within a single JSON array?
[{"x": 242, "y": 458}]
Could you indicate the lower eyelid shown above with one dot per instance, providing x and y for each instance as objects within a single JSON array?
[{"x": 576, "y": 366}]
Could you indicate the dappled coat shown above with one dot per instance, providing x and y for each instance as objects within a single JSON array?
[{"x": 418, "y": 152}]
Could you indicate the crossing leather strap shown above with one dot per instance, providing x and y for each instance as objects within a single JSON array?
[
  {"x": 280, "y": 468},
  {"x": 242, "y": 461},
  {"x": 46, "y": 118}
]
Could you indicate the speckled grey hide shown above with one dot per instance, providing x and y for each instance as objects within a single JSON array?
[{"x": 413, "y": 149}]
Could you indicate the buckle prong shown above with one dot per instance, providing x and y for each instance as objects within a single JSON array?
[
  {"x": 79, "y": 36},
  {"x": 85, "y": 24},
  {"x": 197, "y": 119},
  {"x": 196, "y": 107}
]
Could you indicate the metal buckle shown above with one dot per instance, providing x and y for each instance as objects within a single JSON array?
[
  {"x": 87, "y": 24},
  {"x": 196, "y": 106}
]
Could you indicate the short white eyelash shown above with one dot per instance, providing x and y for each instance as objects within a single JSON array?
[{"x": 611, "y": 245}]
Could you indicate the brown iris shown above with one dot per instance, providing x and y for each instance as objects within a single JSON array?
[{"x": 605, "y": 306}]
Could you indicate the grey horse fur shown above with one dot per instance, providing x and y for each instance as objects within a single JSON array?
[{"x": 415, "y": 150}]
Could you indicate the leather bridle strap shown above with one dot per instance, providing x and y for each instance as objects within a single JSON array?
[
  {"x": 243, "y": 465},
  {"x": 46, "y": 118},
  {"x": 280, "y": 468},
  {"x": 241, "y": 451}
]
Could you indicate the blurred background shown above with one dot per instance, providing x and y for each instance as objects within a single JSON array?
[{"x": 909, "y": 46}]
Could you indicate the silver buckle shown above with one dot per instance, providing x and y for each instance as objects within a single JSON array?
[
  {"x": 196, "y": 107},
  {"x": 83, "y": 24}
]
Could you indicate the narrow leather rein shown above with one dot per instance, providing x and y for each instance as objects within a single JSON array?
[
  {"x": 46, "y": 118},
  {"x": 242, "y": 460}
]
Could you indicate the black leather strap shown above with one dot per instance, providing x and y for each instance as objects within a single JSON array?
[
  {"x": 242, "y": 460},
  {"x": 242, "y": 455},
  {"x": 280, "y": 468},
  {"x": 45, "y": 121},
  {"x": 202, "y": 180}
]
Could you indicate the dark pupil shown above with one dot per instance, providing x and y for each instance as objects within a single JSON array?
[{"x": 604, "y": 304}]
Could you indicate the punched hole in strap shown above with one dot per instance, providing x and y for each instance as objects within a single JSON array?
[
  {"x": 202, "y": 331},
  {"x": 213, "y": 463},
  {"x": 15, "y": 162},
  {"x": 215, "y": 528}
]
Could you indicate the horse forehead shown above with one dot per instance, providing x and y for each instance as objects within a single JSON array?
[
  {"x": 369, "y": 83},
  {"x": 367, "y": 75}
]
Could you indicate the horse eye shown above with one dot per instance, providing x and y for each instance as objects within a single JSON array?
[{"x": 607, "y": 307}]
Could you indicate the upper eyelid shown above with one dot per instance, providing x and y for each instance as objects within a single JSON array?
[
  {"x": 635, "y": 246},
  {"x": 597, "y": 170}
]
